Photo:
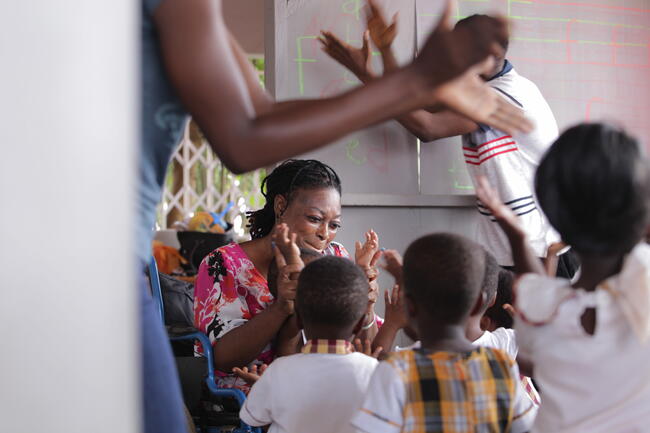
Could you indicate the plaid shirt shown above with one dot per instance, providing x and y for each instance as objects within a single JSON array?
[
  {"x": 338, "y": 347},
  {"x": 457, "y": 392}
]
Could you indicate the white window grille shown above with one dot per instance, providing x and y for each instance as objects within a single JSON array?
[{"x": 197, "y": 181}]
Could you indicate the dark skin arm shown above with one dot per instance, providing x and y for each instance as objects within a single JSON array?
[
  {"x": 242, "y": 345},
  {"x": 524, "y": 257},
  {"x": 205, "y": 71},
  {"x": 426, "y": 125}
]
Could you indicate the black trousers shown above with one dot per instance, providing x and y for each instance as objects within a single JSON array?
[{"x": 567, "y": 265}]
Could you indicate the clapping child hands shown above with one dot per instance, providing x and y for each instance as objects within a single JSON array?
[
  {"x": 366, "y": 256},
  {"x": 381, "y": 32},
  {"x": 366, "y": 348},
  {"x": 287, "y": 257}
]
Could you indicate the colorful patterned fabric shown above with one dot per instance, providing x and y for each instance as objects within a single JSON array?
[
  {"x": 337, "y": 347},
  {"x": 457, "y": 392},
  {"x": 229, "y": 291}
]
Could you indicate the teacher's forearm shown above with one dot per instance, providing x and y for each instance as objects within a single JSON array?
[{"x": 243, "y": 344}]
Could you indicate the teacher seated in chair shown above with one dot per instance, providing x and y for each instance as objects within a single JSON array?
[{"x": 233, "y": 305}]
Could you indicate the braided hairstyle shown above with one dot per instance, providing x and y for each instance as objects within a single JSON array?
[{"x": 287, "y": 178}]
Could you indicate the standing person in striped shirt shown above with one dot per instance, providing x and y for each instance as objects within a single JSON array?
[
  {"x": 508, "y": 161},
  {"x": 449, "y": 385}
]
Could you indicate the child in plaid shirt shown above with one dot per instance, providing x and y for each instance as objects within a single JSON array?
[{"x": 449, "y": 385}]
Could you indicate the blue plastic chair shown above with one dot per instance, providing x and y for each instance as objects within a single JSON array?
[{"x": 210, "y": 381}]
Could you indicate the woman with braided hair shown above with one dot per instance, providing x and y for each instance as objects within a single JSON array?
[{"x": 232, "y": 301}]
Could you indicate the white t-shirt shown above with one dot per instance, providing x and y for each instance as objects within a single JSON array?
[
  {"x": 509, "y": 163},
  {"x": 591, "y": 383},
  {"x": 383, "y": 409},
  {"x": 309, "y": 392},
  {"x": 500, "y": 338}
]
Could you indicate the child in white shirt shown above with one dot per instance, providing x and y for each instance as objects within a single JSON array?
[
  {"x": 588, "y": 339},
  {"x": 319, "y": 389}
]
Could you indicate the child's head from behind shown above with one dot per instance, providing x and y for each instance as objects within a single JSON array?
[
  {"x": 332, "y": 297},
  {"x": 443, "y": 275},
  {"x": 488, "y": 285},
  {"x": 593, "y": 185},
  {"x": 497, "y": 316}
]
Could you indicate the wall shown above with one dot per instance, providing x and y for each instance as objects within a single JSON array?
[{"x": 68, "y": 117}]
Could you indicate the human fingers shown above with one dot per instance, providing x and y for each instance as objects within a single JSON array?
[
  {"x": 291, "y": 269},
  {"x": 396, "y": 293},
  {"x": 357, "y": 345},
  {"x": 279, "y": 257},
  {"x": 377, "y": 352},
  {"x": 510, "y": 309},
  {"x": 375, "y": 258},
  {"x": 263, "y": 368},
  {"x": 445, "y": 23},
  {"x": 367, "y": 347},
  {"x": 374, "y": 237},
  {"x": 514, "y": 118},
  {"x": 379, "y": 13},
  {"x": 366, "y": 43},
  {"x": 387, "y": 298}
]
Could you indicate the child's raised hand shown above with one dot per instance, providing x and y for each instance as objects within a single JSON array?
[
  {"x": 366, "y": 348},
  {"x": 356, "y": 60},
  {"x": 393, "y": 264},
  {"x": 506, "y": 218},
  {"x": 381, "y": 33},
  {"x": 286, "y": 243},
  {"x": 250, "y": 376},
  {"x": 396, "y": 314},
  {"x": 367, "y": 254},
  {"x": 287, "y": 258}
]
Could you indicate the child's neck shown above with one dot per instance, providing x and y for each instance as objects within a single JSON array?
[
  {"x": 444, "y": 337},
  {"x": 595, "y": 270},
  {"x": 318, "y": 332},
  {"x": 473, "y": 328}
]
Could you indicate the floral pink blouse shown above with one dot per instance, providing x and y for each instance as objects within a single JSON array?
[{"x": 228, "y": 292}]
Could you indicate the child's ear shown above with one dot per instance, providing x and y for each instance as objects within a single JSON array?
[
  {"x": 480, "y": 303},
  {"x": 411, "y": 306},
  {"x": 487, "y": 324},
  {"x": 493, "y": 300}
]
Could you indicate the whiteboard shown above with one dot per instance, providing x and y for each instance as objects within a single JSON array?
[
  {"x": 590, "y": 59},
  {"x": 382, "y": 158}
]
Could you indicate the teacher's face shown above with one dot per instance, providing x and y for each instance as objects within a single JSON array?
[{"x": 314, "y": 215}]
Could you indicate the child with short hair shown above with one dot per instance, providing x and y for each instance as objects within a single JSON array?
[
  {"x": 500, "y": 314},
  {"x": 588, "y": 339},
  {"x": 319, "y": 389},
  {"x": 449, "y": 385},
  {"x": 502, "y": 338}
]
